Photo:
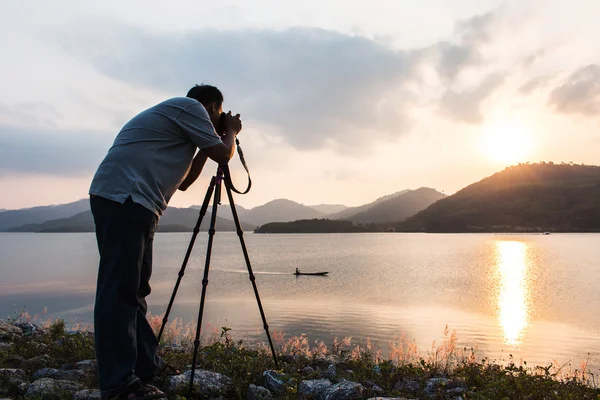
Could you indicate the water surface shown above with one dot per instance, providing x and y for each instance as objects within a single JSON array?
[{"x": 532, "y": 296}]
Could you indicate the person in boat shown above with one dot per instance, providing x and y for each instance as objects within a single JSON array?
[{"x": 297, "y": 271}]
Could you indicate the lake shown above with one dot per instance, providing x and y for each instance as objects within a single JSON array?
[{"x": 536, "y": 297}]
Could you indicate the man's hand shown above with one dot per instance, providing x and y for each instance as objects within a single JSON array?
[{"x": 233, "y": 125}]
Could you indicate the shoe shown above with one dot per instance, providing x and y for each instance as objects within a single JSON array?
[{"x": 137, "y": 391}]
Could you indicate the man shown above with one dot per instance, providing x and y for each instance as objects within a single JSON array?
[{"x": 151, "y": 157}]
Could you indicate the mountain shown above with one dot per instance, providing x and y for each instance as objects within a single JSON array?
[
  {"x": 526, "y": 197},
  {"x": 281, "y": 210},
  {"x": 329, "y": 208},
  {"x": 81, "y": 222},
  {"x": 225, "y": 212},
  {"x": 173, "y": 220},
  {"x": 352, "y": 211},
  {"x": 14, "y": 218},
  {"x": 399, "y": 207},
  {"x": 184, "y": 219}
]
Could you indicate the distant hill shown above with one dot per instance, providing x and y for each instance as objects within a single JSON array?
[
  {"x": 329, "y": 208},
  {"x": 173, "y": 220},
  {"x": 312, "y": 226},
  {"x": 14, "y": 218},
  {"x": 399, "y": 207},
  {"x": 280, "y": 210},
  {"x": 352, "y": 211},
  {"x": 81, "y": 222},
  {"x": 187, "y": 218},
  {"x": 527, "y": 197},
  {"x": 225, "y": 212}
]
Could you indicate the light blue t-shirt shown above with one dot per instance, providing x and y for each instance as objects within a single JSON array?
[{"x": 153, "y": 152}]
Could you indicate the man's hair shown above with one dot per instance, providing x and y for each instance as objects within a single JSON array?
[{"x": 206, "y": 94}]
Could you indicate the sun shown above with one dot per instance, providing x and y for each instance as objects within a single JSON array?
[{"x": 507, "y": 143}]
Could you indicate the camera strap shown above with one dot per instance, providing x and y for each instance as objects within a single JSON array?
[{"x": 227, "y": 173}]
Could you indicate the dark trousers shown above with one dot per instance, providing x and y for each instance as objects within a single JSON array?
[{"x": 125, "y": 343}]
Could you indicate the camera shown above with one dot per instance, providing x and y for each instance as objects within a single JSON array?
[{"x": 220, "y": 128}]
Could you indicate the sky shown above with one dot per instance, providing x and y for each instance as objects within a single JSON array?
[{"x": 342, "y": 101}]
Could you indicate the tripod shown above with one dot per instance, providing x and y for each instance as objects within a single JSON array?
[{"x": 215, "y": 185}]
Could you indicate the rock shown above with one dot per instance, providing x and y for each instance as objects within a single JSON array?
[
  {"x": 409, "y": 386},
  {"x": 87, "y": 394},
  {"x": 331, "y": 373},
  {"x": 275, "y": 382},
  {"x": 346, "y": 390},
  {"x": 5, "y": 346},
  {"x": 457, "y": 391},
  {"x": 14, "y": 361},
  {"x": 258, "y": 393},
  {"x": 29, "y": 328},
  {"x": 377, "y": 389},
  {"x": 434, "y": 384},
  {"x": 8, "y": 331},
  {"x": 35, "y": 363},
  {"x": 388, "y": 398},
  {"x": 314, "y": 388},
  {"x": 323, "y": 362},
  {"x": 86, "y": 366},
  {"x": 307, "y": 371},
  {"x": 23, "y": 388},
  {"x": 11, "y": 379},
  {"x": 175, "y": 348},
  {"x": 206, "y": 384},
  {"x": 48, "y": 388},
  {"x": 68, "y": 375},
  {"x": 7, "y": 374}
]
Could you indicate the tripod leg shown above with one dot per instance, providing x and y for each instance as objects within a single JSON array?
[
  {"x": 203, "y": 209},
  {"x": 240, "y": 234},
  {"x": 211, "y": 234}
]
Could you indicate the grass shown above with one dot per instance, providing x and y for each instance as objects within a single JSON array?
[{"x": 404, "y": 372}]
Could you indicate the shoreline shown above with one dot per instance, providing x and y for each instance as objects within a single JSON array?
[{"x": 50, "y": 362}]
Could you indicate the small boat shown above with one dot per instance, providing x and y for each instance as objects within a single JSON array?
[
  {"x": 546, "y": 233},
  {"x": 310, "y": 273}
]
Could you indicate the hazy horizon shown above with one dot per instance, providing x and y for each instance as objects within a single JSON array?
[
  {"x": 342, "y": 103},
  {"x": 238, "y": 203}
]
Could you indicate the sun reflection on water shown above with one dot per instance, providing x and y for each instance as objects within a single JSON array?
[{"x": 513, "y": 291}]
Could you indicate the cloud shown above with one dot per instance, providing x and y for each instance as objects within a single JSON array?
[
  {"x": 579, "y": 93},
  {"x": 472, "y": 34},
  {"x": 51, "y": 152},
  {"x": 313, "y": 88},
  {"x": 318, "y": 88},
  {"x": 536, "y": 83},
  {"x": 36, "y": 113},
  {"x": 465, "y": 106}
]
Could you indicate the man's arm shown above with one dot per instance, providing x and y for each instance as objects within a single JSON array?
[
  {"x": 195, "y": 170},
  {"x": 222, "y": 152}
]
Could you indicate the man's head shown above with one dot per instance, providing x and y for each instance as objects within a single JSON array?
[{"x": 211, "y": 98}]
